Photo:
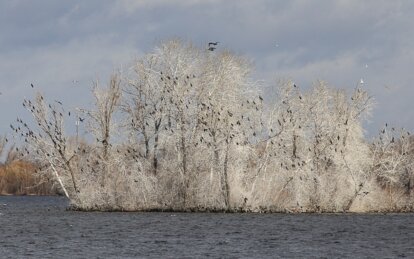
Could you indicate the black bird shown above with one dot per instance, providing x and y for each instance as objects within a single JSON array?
[
  {"x": 31, "y": 85},
  {"x": 211, "y": 48},
  {"x": 213, "y": 43},
  {"x": 81, "y": 119}
]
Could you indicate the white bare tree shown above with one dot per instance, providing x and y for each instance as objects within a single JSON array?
[
  {"x": 307, "y": 153},
  {"x": 186, "y": 129},
  {"x": 393, "y": 166},
  {"x": 49, "y": 144}
]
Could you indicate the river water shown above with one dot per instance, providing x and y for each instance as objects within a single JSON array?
[{"x": 41, "y": 227}]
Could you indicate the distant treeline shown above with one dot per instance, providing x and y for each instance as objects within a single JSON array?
[{"x": 19, "y": 178}]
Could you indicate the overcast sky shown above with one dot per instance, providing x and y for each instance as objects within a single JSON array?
[{"x": 62, "y": 46}]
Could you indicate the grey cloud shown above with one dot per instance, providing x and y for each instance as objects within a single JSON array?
[{"x": 51, "y": 42}]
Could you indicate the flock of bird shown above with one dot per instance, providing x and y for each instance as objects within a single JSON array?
[
  {"x": 232, "y": 130},
  {"x": 49, "y": 125},
  {"x": 210, "y": 114}
]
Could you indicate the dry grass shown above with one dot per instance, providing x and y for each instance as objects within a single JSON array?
[{"x": 18, "y": 178}]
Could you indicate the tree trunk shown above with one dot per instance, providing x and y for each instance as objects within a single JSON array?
[
  {"x": 184, "y": 162},
  {"x": 146, "y": 140},
  {"x": 155, "y": 159},
  {"x": 351, "y": 201},
  {"x": 294, "y": 145},
  {"x": 225, "y": 180}
]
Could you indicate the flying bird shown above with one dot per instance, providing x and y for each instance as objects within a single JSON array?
[
  {"x": 213, "y": 43},
  {"x": 32, "y": 85},
  {"x": 211, "y": 48}
]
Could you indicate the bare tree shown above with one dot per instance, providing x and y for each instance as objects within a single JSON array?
[
  {"x": 101, "y": 119},
  {"x": 393, "y": 166},
  {"x": 186, "y": 128},
  {"x": 49, "y": 143}
]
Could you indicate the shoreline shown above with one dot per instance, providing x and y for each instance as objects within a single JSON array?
[
  {"x": 190, "y": 210},
  {"x": 241, "y": 211}
]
